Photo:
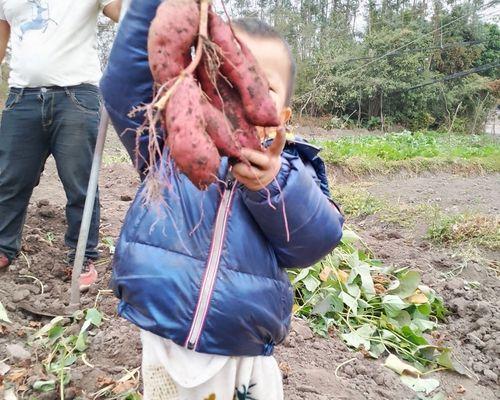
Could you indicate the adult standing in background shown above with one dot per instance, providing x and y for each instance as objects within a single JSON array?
[{"x": 52, "y": 108}]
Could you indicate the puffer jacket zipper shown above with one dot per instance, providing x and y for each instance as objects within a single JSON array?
[{"x": 207, "y": 285}]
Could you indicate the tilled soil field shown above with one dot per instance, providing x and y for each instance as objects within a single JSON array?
[{"x": 37, "y": 286}]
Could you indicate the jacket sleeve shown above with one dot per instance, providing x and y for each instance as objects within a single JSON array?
[
  {"x": 127, "y": 81},
  {"x": 312, "y": 227}
]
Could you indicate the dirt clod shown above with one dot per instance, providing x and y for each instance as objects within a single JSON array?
[{"x": 17, "y": 352}]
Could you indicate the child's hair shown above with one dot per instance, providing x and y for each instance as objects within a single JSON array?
[{"x": 257, "y": 28}]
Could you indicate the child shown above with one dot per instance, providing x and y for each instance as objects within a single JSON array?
[{"x": 207, "y": 283}]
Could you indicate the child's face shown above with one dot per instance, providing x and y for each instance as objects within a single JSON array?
[{"x": 274, "y": 61}]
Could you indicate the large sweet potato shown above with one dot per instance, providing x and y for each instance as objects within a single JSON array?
[
  {"x": 191, "y": 148},
  {"x": 171, "y": 36},
  {"x": 244, "y": 74}
]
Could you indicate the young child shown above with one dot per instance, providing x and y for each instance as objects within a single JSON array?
[{"x": 207, "y": 282}]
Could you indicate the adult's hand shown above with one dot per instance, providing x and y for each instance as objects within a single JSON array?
[{"x": 264, "y": 165}]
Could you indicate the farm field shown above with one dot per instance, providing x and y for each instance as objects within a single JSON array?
[{"x": 424, "y": 201}]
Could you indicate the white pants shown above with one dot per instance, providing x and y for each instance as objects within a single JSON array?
[{"x": 171, "y": 372}]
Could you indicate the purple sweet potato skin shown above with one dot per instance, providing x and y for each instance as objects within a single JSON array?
[
  {"x": 171, "y": 35},
  {"x": 228, "y": 101},
  {"x": 245, "y": 133},
  {"x": 221, "y": 132},
  {"x": 193, "y": 151},
  {"x": 242, "y": 70}
]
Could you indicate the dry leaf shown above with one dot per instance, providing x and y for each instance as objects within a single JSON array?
[
  {"x": 461, "y": 389},
  {"x": 325, "y": 274},
  {"x": 342, "y": 276},
  {"x": 103, "y": 381},
  {"x": 123, "y": 387},
  {"x": 381, "y": 279},
  {"x": 379, "y": 288},
  {"x": 285, "y": 369},
  {"x": 418, "y": 298},
  {"x": 17, "y": 376},
  {"x": 401, "y": 367}
]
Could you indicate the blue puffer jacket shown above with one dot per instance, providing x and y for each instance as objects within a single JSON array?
[{"x": 206, "y": 269}]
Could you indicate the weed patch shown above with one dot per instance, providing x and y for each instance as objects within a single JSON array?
[
  {"x": 478, "y": 229},
  {"x": 355, "y": 201}
]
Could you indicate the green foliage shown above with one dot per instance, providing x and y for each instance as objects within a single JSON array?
[
  {"x": 422, "y": 150},
  {"x": 369, "y": 72},
  {"x": 374, "y": 308},
  {"x": 64, "y": 348}
]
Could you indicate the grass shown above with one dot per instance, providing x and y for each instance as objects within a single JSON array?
[
  {"x": 477, "y": 229},
  {"x": 414, "y": 152},
  {"x": 357, "y": 202}
]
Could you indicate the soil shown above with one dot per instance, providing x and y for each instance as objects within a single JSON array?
[{"x": 313, "y": 367}]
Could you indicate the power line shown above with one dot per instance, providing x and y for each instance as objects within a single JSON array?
[
  {"x": 450, "y": 77},
  {"x": 421, "y": 49}
]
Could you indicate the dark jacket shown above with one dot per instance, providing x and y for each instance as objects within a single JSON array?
[{"x": 207, "y": 269}]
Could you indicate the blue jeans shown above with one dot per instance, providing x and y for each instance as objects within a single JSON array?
[{"x": 38, "y": 122}]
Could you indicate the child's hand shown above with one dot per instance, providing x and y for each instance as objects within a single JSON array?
[{"x": 264, "y": 165}]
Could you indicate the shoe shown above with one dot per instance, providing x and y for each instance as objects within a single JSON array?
[
  {"x": 4, "y": 262},
  {"x": 88, "y": 276}
]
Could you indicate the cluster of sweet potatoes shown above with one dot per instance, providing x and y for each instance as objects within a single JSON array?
[{"x": 217, "y": 94}]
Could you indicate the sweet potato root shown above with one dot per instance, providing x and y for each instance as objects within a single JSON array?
[
  {"x": 191, "y": 148},
  {"x": 242, "y": 70}
]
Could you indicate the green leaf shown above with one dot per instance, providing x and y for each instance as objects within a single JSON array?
[
  {"x": 408, "y": 333},
  {"x": 350, "y": 302},
  {"x": 390, "y": 336},
  {"x": 422, "y": 325},
  {"x": 301, "y": 275},
  {"x": 46, "y": 328},
  {"x": 81, "y": 342},
  {"x": 70, "y": 360},
  {"x": 402, "y": 319},
  {"x": 3, "y": 314},
  {"x": 420, "y": 385},
  {"x": 349, "y": 236},
  {"x": 444, "y": 359},
  {"x": 94, "y": 316},
  {"x": 408, "y": 283},
  {"x": 322, "y": 307},
  {"x": 424, "y": 309},
  {"x": 55, "y": 332},
  {"x": 363, "y": 270},
  {"x": 353, "y": 290},
  {"x": 360, "y": 337},
  {"x": 352, "y": 259},
  {"x": 311, "y": 283},
  {"x": 44, "y": 386},
  {"x": 376, "y": 350},
  {"x": 393, "y": 305}
]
